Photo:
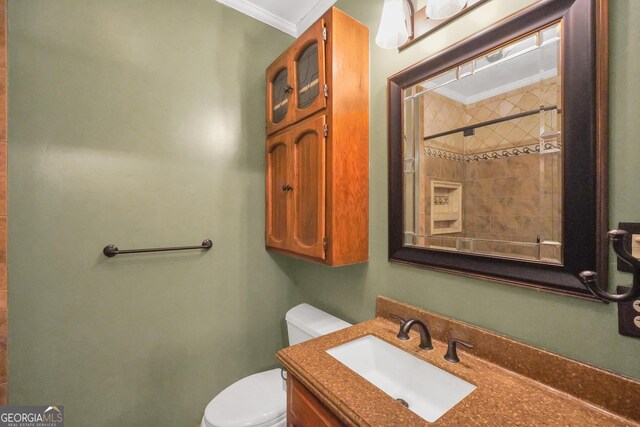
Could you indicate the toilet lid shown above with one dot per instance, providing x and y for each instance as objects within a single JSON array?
[{"x": 251, "y": 401}]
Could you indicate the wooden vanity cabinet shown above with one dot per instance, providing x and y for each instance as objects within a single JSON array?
[
  {"x": 305, "y": 410},
  {"x": 317, "y": 171}
]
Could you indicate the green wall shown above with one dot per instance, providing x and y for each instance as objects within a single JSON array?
[
  {"x": 579, "y": 329},
  {"x": 141, "y": 123},
  {"x": 138, "y": 123}
]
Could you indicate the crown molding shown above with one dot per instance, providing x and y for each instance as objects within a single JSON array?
[
  {"x": 312, "y": 16},
  {"x": 262, "y": 15}
]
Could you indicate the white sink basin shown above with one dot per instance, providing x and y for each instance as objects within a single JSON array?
[{"x": 428, "y": 390}]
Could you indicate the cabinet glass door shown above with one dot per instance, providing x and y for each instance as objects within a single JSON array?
[
  {"x": 307, "y": 84},
  {"x": 280, "y": 94},
  {"x": 309, "y": 69}
]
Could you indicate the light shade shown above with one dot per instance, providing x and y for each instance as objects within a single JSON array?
[{"x": 393, "y": 31}]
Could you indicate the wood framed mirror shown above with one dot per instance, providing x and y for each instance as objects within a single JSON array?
[{"x": 498, "y": 152}]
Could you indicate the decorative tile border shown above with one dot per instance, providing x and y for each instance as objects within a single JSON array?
[
  {"x": 440, "y": 200},
  {"x": 492, "y": 155},
  {"x": 511, "y": 152},
  {"x": 443, "y": 154}
]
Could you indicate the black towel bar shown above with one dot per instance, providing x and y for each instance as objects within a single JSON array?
[{"x": 112, "y": 250}]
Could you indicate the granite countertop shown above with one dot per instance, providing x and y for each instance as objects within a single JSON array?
[{"x": 501, "y": 398}]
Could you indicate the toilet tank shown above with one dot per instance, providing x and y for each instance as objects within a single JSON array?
[{"x": 305, "y": 322}]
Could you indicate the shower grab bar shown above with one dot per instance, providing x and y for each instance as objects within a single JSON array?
[
  {"x": 590, "y": 278},
  {"x": 112, "y": 250}
]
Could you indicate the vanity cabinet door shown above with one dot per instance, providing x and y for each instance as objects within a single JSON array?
[
  {"x": 277, "y": 191},
  {"x": 307, "y": 214},
  {"x": 305, "y": 410}
]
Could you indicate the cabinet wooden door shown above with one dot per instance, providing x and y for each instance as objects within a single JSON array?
[
  {"x": 309, "y": 74},
  {"x": 308, "y": 149},
  {"x": 277, "y": 191}
]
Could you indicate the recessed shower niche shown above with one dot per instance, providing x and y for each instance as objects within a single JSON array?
[{"x": 446, "y": 207}]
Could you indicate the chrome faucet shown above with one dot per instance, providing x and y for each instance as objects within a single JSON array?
[{"x": 425, "y": 336}]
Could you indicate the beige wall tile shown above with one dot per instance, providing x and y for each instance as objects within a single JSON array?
[
  {"x": 505, "y": 224},
  {"x": 491, "y": 168},
  {"x": 470, "y": 171},
  {"x": 527, "y": 165},
  {"x": 530, "y": 252},
  {"x": 510, "y": 186},
  {"x": 486, "y": 206},
  {"x": 479, "y": 224}
]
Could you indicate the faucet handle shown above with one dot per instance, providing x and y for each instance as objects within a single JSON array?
[
  {"x": 395, "y": 316},
  {"x": 452, "y": 353}
]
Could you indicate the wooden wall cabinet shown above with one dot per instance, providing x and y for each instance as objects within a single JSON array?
[
  {"x": 305, "y": 410},
  {"x": 317, "y": 183}
]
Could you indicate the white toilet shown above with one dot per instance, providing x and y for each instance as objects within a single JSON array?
[{"x": 260, "y": 400}]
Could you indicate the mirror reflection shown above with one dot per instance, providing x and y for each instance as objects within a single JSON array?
[{"x": 483, "y": 154}]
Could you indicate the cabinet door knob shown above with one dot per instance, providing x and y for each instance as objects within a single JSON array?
[
  {"x": 287, "y": 187},
  {"x": 288, "y": 89}
]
